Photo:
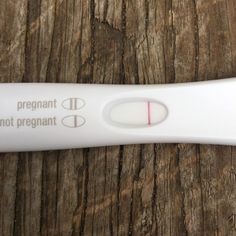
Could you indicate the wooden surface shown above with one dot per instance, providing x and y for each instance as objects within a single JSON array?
[{"x": 132, "y": 190}]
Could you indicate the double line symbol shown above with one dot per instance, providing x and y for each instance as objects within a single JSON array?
[{"x": 73, "y": 104}]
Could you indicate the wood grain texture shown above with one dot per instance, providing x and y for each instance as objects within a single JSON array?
[{"x": 150, "y": 189}]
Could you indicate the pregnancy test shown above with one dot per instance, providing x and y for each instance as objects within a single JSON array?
[{"x": 38, "y": 116}]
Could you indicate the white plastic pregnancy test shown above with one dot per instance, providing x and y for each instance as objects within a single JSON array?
[{"x": 61, "y": 116}]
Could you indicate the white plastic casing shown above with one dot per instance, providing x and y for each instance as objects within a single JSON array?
[{"x": 61, "y": 116}]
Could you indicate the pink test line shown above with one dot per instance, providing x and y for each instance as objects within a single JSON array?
[{"x": 149, "y": 113}]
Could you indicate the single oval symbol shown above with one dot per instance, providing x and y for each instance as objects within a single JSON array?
[
  {"x": 73, "y": 121},
  {"x": 73, "y": 104}
]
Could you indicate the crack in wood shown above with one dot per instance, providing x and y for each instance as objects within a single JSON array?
[
  {"x": 196, "y": 39},
  {"x": 120, "y": 165}
]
